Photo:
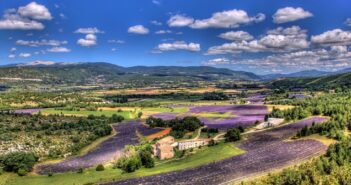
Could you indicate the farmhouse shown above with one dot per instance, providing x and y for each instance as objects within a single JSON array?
[
  {"x": 163, "y": 148},
  {"x": 184, "y": 145}
]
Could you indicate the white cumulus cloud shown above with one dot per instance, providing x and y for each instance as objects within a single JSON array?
[
  {"x": 277, "y": 40},
  {"x": 58, "y": 50},
  {"x": 236, "y": 35},
  {"x": 35, "y": 11},
  {"x": 163, "y": 32},
  {"x": 333, "y": 37},
  {"x": 180, "y": 21},
  {"x": 93, "y": 30},
  {"x": 225, "y": 19},
  {"x": 25, "y": 17},
  {"x": 43, "y": 42},
  {"x": 216, "y": 61},
  {"x": 178, "y": 45},
  {"x": 25, "y": 55},
  {"x": 289, "y": 14},
  {"x": 138, "y": 29},
  {"x": 89, "y": 40}
]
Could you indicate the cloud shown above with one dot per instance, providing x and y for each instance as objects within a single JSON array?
[
  {"x": 163, "y": 31},
  {"x": 333, "y": 37},
  {"x": 178, "y": 45},
  {"x": 348, "y": 22},
  {"x": 334, "y": 58},
  {"x": 216, "y": 61},
  {"x": 113, "y": 41},
  {"x": 138, "y": 29},
  {"x": 154, "y": 22},
  {"x": 25, "y": 17},
  {"x": 43, "y": 42},
  {"x": 225, "y": 19},
  {"x": 63, "y": 16},
  {"x": 289, "y": 14},
  {"x": 156, "y": 2},
  {"x": 180, "y": 21},
  {"x": 11, "y": 56},
  {"x": 13, "y": 49},
  {"x": 277, "y": 40},
  {"x": 113, "y": 49},
  {"x": 12, "y": 21},
  {"x": 35, "y": 11},
  {"x": 58, "y": 50},
  {"x": 236, "y": 35},
  {"x": 93, "y": 30},
  {"x": 89, "y": 40},
  {"x": 25, "y": 55}
]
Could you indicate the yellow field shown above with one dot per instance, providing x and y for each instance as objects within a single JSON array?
[{"x": 280, "y": 107}]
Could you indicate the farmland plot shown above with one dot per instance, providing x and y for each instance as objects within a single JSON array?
[
  {"x": 266, "y": 151},
  {"x": 108, "y": 150}
]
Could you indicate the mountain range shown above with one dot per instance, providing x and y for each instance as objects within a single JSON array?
[
  {"x": 107, "y": 73},
  {"x": 92, "y": 73}
]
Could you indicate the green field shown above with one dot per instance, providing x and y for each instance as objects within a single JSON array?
[
  {"x": 165, "y": 109},
  {"x": 206, "y": 155},
  {"x": 108, "y": 113}
]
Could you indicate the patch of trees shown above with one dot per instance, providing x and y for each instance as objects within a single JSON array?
[
  {"x": 215, "y": 96},
  {"x": 233, "y": 135},
  {"x": 180, "y": 126},
  {"x": 135, "y": 157},
  {"x": 295, "y": 113},
  {"x": 76, "y": 131},
  {"x": 18, "y": 162},
  {"x": 125, "y": 98}
]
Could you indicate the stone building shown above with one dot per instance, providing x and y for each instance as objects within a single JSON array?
[
  {"x": 184, "y": 145},
  {"x": 163, "y": 148}
]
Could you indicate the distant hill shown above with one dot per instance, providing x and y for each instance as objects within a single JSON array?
[
  {"x": 104, "y": 73},
  {"x": 306, "y": 73},
  {"x": 334, "y": 81}
]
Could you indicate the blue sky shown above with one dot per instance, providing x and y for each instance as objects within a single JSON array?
[{"x": 267, "y": 36}]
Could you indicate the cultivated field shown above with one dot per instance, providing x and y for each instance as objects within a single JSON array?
[
  {"x": 107, "y": 151},
  {"x": 266, "y": 151}
]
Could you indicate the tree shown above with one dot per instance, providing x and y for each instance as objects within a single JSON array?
[
  {"x": 19, "y": 162},
  {"x": 232, "y": 135},
  {"x": 140, "y": 114},
  {"x": 100, "y": 167},
  {"x": 146, "y": 159}
]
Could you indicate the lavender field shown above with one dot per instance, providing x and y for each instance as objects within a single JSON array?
[
  {"x": 243, "y": 115},
  {"x": 240, "y": 115},
  {"x": 26, "y": 111},
  {"x": 265, "y": 151},
  {"x": 108, "y": 150}
]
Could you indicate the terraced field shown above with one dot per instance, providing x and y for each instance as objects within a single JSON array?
[
  {"x": 266, "y": 151},
  {"x": 108, "y": 150}
]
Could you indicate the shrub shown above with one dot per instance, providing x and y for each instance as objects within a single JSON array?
[
  {"x": 80, "y": 170},
  {"x": 100, "y": 167},
  {"x": 22, "y": 172}
]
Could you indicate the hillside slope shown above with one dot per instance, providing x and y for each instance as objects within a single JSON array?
[{"x": 317, "y": 83}]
